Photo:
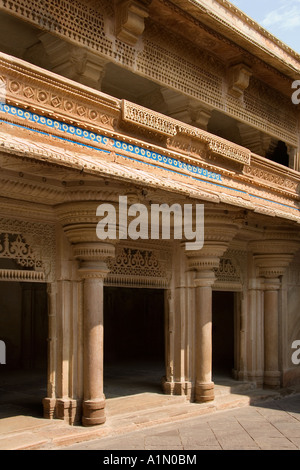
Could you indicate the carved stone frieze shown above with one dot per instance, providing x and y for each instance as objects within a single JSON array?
[
  {"x": 134, "y": 267},
  {"x": 272, "y": 177},
  {"x": 150, "y": 119},
  {"x": 227, "y": 271},
  {"x": 59, "y": 99},
  {"x": 16, "y": 275}
]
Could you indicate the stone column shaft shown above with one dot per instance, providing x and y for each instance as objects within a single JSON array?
[
  {"x": 93, "y": 338},
  {"x": 93, "y": 270},
  {"x": 271, "y": 304},
  {"x": 93, "y": 396},
  {"x": 204, "y": 389},
  {"x": 272, "y": 256}
]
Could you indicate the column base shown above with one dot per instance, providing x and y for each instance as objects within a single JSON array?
[
  {"x": 93, "y": 412},
  {"x": 49, "y": 405},
  {"x": 66, "y": 409},
  {"x": 204, "y": 392},
  {"x": 257, "y": 377},
  {"x": 272, "y": 379},
  {"x": 177, "y": 388}
]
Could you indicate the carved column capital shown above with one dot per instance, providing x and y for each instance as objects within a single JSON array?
[
  {"x": 79, "y": 222},
  {"x": 219, "y": 229},
  {"x": 274, "y": 253},
  {"x": 93, "y": 259},
  {"x": 272, "y": 266}
]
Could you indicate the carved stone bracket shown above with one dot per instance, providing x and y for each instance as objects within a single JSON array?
[
  {"x": 130, "y": 19},
  {"x": 239, "y": 79},
  {"x": 76, "y": 63}
]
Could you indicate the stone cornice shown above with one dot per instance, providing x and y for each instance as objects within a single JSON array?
[{"x": 238, "y": 27}]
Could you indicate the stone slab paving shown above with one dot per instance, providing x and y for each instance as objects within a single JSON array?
[{"x": 272, "y": 425}]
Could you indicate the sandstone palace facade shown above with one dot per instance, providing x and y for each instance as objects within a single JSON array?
[{"x": 162, "y": 101}]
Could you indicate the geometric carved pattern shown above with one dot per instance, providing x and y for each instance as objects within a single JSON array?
[
  {"x": 72, "y": 19},
  {"x": 95, "y": 138},
  {"x": 150, "y": 119}
]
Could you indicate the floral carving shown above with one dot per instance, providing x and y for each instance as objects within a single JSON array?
[
  {"x": 13, "y": 246},
  {"x": 136, "y": 267}
]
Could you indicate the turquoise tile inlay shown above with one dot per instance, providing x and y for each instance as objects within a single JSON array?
[
  {"x": 92, "y": 137},
  {"x": 197, "y": 173}
]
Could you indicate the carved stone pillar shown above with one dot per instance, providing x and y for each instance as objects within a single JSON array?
[
  {"x": 220, "y": 229},
  {"x": 271, "y": 268},
  {"x": 204, "y": 386},
  {"x": 49, "y": 402},
  {"x": 93, "y": 270},
  {"x": 79, "y": 223},
  {"x": 272, "y": 256},
  {"x": 255, "y": 326},
  {"x": 204, "y": 262},
  {"x": 271, "y": 305}
]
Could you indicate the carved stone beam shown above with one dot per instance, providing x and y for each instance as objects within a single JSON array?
[
  {"x": 130, "y": 19},
  {"x": 75, "y": 63},
  {"x": 239, "y": 79}
]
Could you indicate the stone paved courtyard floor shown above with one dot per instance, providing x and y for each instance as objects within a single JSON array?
[
  {"x": 273, "y": 425},
  {"x": 141, "y": 417}
]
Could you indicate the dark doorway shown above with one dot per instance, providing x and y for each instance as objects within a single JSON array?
[
  {"x": 24, "y": 329},
  {"x": 223, "y": 333},
  {"x": 133, "y": 340}
]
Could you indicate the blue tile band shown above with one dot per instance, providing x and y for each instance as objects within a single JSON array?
[{"x": 86, "y": 135}]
